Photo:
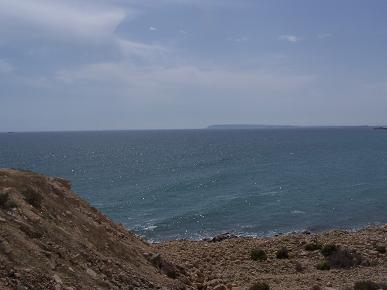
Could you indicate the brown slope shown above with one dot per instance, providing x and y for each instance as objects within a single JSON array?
[{"x": 52, "y": 239}]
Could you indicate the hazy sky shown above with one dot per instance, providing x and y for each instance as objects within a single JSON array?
[{"x": 134, "y": 64}]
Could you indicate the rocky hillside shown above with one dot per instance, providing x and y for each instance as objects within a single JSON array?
[{"x": 52, "y": 239}]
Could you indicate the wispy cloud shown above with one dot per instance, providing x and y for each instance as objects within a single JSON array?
[
  {"x": 85, "y": 27},
  {"x": 289, "y": 38},
  {"x": 152, "y": 28},
  {"x": 58, "y": 20}
]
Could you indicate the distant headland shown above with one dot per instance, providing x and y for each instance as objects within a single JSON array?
[{"x": 261, "y": 126}]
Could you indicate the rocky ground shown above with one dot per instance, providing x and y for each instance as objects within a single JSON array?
[
  {"x": 227, "y": 264},
  {"x": 52, "y": 239}
]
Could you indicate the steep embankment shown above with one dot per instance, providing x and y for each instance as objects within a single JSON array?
[{"x": 52, "y": 239}]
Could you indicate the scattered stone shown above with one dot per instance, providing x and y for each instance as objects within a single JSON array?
[
  {"x": 222, "y": 237},
  {"x": 5, "y": 247},
  {"x": 91, "y": 272},
  {"x": 57, "y": 279}
]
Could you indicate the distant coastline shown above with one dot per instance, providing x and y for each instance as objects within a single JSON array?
[{"x": 260, "y": 126}]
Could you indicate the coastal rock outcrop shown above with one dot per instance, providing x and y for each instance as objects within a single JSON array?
[{"x": 52, "y": 239}]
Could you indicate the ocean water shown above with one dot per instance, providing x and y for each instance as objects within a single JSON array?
[{"x": 197, "y": 183}]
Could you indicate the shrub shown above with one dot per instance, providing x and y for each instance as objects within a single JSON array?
[
  {"x": 3, "y": 199},
  {"x": 298, "y": 267},
  {"x": 6, "y": 202},
  {"x": 260, "y": 286},
  {"x": 324, "y": 266},
  {"x": 282, "y": 253},
  {"x": 343, "y": 259},
  {"x": 313, "y": 246},
  {"x": 366, "y": 285},
  {"x": 316, "y": 287},
  {"x": 11, "y": 204},
  {"x": 328, "y": 249},
  {"x": 33, "y": 197},
  {"x": 258, "y": 254},
  {"x": 381, "y": 249}
]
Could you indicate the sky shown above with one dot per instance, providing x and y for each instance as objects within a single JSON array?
[{"x": 142, "y": 64}]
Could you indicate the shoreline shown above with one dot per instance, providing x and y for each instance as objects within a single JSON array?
[{"x": 273, "y": 235}]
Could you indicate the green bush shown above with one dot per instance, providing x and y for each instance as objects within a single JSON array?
[
  {"x": 381, "y": 249},
  {"x": 282, "y": 253},
  {"x": 6, "y": 202},
  {"x": 258, "y": 255},
  {"x": 3, "y": 199},
  {"x": 344, "y": 259},
  {"x": 33, "y": 197},
  {"x": 298, "y": 267},
  {"x": 260, "y": 286},
  {"x": 324, "y": 266},
  {"x": 328, "y": 249},
  {"x": 313, "y": 247}
]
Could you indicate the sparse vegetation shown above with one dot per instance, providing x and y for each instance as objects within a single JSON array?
[
  {"x": 3, "y": 199},
  {"x": 313, "y": 246},
  {"x": 282, "y": 253},
  {"x": 324, "y": 266},
  {"x": 33, "y": 197},
  {"x": 368, "y": 285},
  {"x": 298, "y": 267},
  {"x": 6, "y": 202},
  {"x": 328, "y": 249},
  {"x": 260, "y": 286},
  {"x": 258, "y": 254},
  {"x": 381, "y": 249},
  {"x": 316, "y": 287},
  {"x": 343, "y": 258}
]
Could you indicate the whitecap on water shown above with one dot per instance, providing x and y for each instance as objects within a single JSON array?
[{"x": 297, "y": 212}]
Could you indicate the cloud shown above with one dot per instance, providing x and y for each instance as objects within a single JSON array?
[
  {"x": 289, "y": 38},
  {"x": 151, "y": 28},
  {"x": 60, "y": 31},
  {"x": 145, "y": 51},
  {"x": 58, "y": 19},
  {"x": 324, "y": 35}
]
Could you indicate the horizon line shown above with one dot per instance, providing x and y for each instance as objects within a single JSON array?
[{"x": 269, "y": 126}]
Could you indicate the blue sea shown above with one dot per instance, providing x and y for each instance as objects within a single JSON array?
[{"x": 191, "y": 184}]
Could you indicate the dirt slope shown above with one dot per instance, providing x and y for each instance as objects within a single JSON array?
[{"x": 52, "y": 239}]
